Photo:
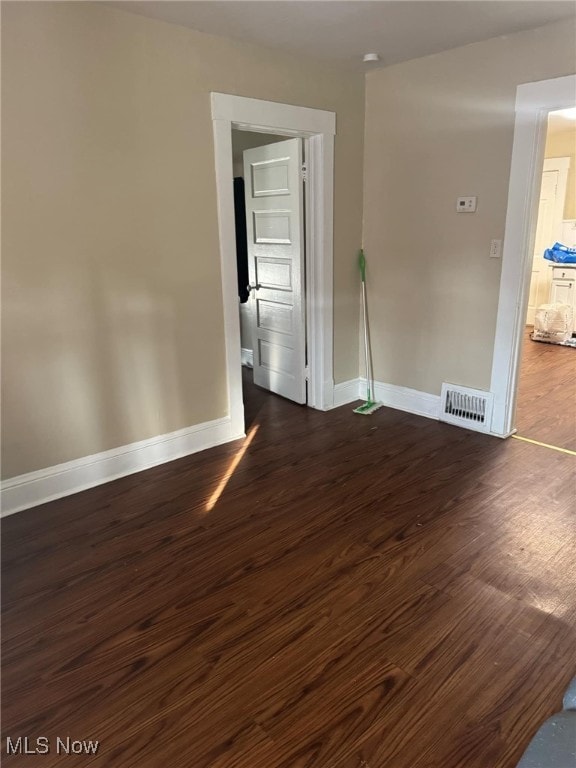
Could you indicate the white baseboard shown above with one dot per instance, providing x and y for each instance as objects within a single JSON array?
[
  {"x": 405, "y": 399},
  {"x": 346, "y": 392},
  {"x": 247, "y": 357},
  {"x": 391, "y": 395},
  {"x": 35, "y": 488},
  {"x": 45, "y": 485}
]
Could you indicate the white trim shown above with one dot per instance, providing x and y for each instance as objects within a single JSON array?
[
  {"x": 533, "y": 102},
  {"x": 227, "y": 235},
  {"x": 35, "y": 488},
  {"x": 346, "y": 392},
  {"x": 247, "y": 357},
  {"x": 318, "y": 126},
  {"x": 390, "y": 395},
  {"x": 404, "y": 399},
  {"x": 256, "y": 114},
  {"x": 319, "y": 269}
]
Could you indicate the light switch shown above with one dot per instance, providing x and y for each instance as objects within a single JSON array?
[{"x": 466, "y": 204}]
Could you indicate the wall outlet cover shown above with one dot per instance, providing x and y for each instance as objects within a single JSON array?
[{"x": 495, "y": 249}]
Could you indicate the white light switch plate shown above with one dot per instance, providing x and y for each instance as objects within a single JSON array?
[{"x": 466, "y": 204}]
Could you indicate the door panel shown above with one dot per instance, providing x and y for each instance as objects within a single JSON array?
[
  {"x": 278, "y": 360},
  {"x": 271, "y": 177},
  {"x": 275, "y": 274},
  {"x": 273, "y": 316},
  {"x": 275, "y": 224},
  {"x": 272, "y": 227}
]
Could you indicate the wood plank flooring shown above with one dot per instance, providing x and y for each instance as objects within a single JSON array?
[
  {"x": 366, "y": 592},
  {"x": 546, "y": 408}
]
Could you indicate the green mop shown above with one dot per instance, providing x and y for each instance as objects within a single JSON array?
[{"x": 370, "y": 405}]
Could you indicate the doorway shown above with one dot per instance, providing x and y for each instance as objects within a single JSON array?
[
  {"x": 270, "y": 247},
  {"x": 546, "y": 386},
  {"x": 534, "y": 102},
  {"x": 242, "y": 140},
  {"x": 317, "y": 127}
]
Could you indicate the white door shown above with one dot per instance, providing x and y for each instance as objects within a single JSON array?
[
  {"x": 275, "y": 229},
  {"x": 546, "y": 231}
]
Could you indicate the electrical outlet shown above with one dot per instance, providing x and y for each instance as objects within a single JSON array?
[
  {"x": 466, "y": 204},
  {"x": 495, "y": 249}
]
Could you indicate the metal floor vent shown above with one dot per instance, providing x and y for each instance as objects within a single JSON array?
[{"x": 469, "y": 408}]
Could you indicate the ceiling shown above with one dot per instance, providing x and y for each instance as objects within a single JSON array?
[{"x": 341, "y": 31}]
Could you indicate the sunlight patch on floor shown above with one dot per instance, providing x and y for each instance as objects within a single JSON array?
[
  {"x": 544, "y": 445},
  {"x": 211, "y": 503}
]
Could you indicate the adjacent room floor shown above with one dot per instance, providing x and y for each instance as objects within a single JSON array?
[
  {"x": 546, "y": 409},
  {"x": 344, "y": 592}
]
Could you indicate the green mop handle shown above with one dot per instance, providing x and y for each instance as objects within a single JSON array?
[{"x": 362, "y": 265}]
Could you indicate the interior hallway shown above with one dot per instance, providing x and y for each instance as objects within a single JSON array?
[
  {"x": 365, "y": 591},
  {"x": 546, "y": 409}
]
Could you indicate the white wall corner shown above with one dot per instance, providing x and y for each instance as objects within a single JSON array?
[
  {"x": 404, "y": 399},
  {"x": 346, "y": 392},
  {"x": 45, "y": 485}
]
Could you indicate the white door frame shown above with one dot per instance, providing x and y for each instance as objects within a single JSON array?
[
  {"x": 533, "y": 103},
  {"x": 318, "y": 127}
]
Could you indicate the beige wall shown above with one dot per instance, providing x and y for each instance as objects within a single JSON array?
[
  {"x": 438, "y": 128},
  {"x": 561, "y": 142},
  {"x": 112, "y": 325}
]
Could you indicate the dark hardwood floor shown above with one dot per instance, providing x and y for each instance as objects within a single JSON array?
[
  {"x": 365, "y": 592},
  {"x": 546, "y": 407}
]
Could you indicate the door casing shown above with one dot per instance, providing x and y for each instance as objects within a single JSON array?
[
  {"x": 318, "y": 128},
  {"x": 533, "y": 103}
]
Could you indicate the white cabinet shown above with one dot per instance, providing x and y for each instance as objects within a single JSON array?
[
  {"x": 563, "y": 288},
  {"x": 562, "y": 291}
]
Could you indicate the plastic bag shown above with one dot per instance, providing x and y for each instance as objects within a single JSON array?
[
  {"x": 561, "y": 254},
  {"x": 553, "y": 322}
]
